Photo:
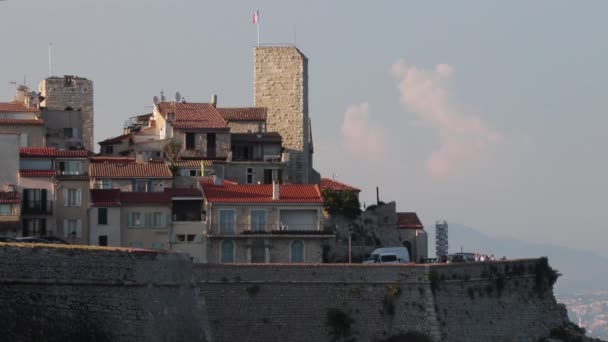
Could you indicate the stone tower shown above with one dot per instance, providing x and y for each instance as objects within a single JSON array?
[
  {"x": 281, "y": 85},
  {"x": 68, "y": 103}
]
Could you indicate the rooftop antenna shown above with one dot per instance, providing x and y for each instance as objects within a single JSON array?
[
  {"x": 162, "y": 95},
  {"x": 155, "y": 99},
  {"x": 295, "y": 36},
  {"x": 50, "y": 55}
]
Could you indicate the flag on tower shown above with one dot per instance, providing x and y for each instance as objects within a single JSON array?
[{"x": 256, "y": 17}]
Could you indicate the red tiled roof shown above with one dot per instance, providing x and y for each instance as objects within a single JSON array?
[
  {"x": 17, "y": 107},
  {"x": 193, "y": 115},
  {"x": 115, "y": 139},
  {"x": 9, "y": 197},
  {"x": 408, "y": 221},
  {"x": 261, "y": 193},
  {"x": 111, "y": 159},
  {"x": 21, "y": 122},
  {"x": 50, "y": 152},
  {"x": 105, "y": 198},
  {"x": 330, "y": 184},
  {"x": 145, "y": 198},
  {"x": 193, "y": 163},
  {"x": 184, "y": 192},
  {"x": 243, "y": 114},
  {"x": 129, "y": 170},
  {"x": 37, "y": 173}
]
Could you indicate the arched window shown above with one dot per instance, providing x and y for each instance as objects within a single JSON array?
[
  {"x": 297, "y": 251},
  {"x": 227, "y": 251}
]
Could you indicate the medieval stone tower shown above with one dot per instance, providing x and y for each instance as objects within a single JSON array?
[
  {"x": 281, "y": 85},
  {"x": 68, "y": 108}
]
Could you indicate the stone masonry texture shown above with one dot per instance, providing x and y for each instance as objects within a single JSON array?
[
  {"x": 281, "y": 85},
  {"x": 75, "y": 293}
]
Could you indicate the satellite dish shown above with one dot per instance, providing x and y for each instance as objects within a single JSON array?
[
  {"x": 155, "y": 99},
  {"x": 178, "y": 96},
  {"x": 162, "y": 96}
]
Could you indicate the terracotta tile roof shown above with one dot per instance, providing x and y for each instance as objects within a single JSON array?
[
  {"x": 105, "y": 198},
  {"x": 17, "y": 107},
  {"x": 261, "y": 193},
  {"x": 37, "y": 173},
  {"x": 330, "y": 184},
  {"x": 21, "y": 122},
  {"x": 193, "y": 163},
  {"x": 50, "y": 152},
  {"x": 145, "y": 198},
  {"x": 193, "y": 116},
  {"x": 184, "y": 192},
  {"x": 8, "y": 197},
  {"x": 243, "y": 113},
  {"x": 115, "y": 140},
  {"x": 129, "y": 170},
  {"x": 111, "y": 159},
  {"x": 409, "y": 221}
]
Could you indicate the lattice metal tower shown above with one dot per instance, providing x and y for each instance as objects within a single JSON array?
[{"x": 441, "y": 238}]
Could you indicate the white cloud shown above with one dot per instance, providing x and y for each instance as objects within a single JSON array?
[
  {"x": 362, "y": 137},
  {"x": 463, "y": 138}
]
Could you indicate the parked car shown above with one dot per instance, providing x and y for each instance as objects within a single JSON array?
[
  {"x": 30, "y": 239},
  {"x": 7, "y": 239},
  {"x": 402, "y": 254},
  {"x": 469, "y": 257},
  {"x": 54, "y": 239}
]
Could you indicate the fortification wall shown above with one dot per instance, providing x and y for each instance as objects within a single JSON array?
[
  {"x": 71, "y": 293},
  {"x": 375, "y": 303}
]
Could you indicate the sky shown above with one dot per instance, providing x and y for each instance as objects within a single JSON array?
[{"x": 490, "y": 114}]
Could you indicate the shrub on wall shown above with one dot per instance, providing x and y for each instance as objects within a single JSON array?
[
  {"x": 345, "y": 203},
  {"x": 339, "y": 324}
]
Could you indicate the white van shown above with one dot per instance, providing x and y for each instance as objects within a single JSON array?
[{"x": 383, "y": 255}]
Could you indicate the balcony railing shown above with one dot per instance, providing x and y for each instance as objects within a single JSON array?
[
  {"x": 187, "y": 217},
  {"x": 273, "y": 229},
  {"x": 37, "y": 207}
]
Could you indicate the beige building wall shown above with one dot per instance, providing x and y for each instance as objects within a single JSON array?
[
  {"x": 145, "y": 236},
  {"x": 112, "y": 230},
  {"x": 61, "y": 93},
  {"x": 197, "y": 249},
  {"x": 281, "y": 85},
  {"x": 65, "y": 211},
  {"x": 34, "y": 135}
]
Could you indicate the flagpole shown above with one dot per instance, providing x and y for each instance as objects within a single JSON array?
[{"x": 258, "y": 25}]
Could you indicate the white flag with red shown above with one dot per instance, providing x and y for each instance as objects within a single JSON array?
[{"x": 256, "y": 17}]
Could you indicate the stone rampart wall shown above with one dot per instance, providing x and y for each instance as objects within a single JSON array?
[{"x": 97, "y": 294}]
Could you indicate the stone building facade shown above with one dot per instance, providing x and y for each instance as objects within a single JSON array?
[{"x": 281, "y": 85}]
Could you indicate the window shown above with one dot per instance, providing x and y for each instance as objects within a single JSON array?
[
  {"x": 72, "y": 229},
  {"x": 227, "y": 251},
  {"x": 258, "y": 220},
  {"x": 72, "y": 197},
  {"x": 195, "y": 173},
  {"x": 102, "y": 240},
  {"x": 33, "y": 227},
  {"x": 6, "y": 209},
  {"x": 249, "y": 175},
  {"x": 185, "y": 238},
  {"x": 108, "y": 149},
  {"x": 102, "y": 216},
  {"x": 141, "y": 185},
  {"x": 227, "y": 222},
  {"x": 297, "y": 251},
  {"x": 136, "y": 220},
  {"x": 70, "y": 167},
  {"x": 158, "y": 220},
  {"x": 210, "y": 145},
  {"x": 68, "y": 132},
  {"x": 104, "y": 184},
  {"x": 190, "y": 141}
]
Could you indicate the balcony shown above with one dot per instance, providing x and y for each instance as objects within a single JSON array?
[
  {"x": 272, "y": 230},
  {"x": 187, "y": 217},
  {"x": 37, "y": 208}
]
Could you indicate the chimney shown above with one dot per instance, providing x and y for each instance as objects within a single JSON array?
[
  {"x": 214, "y": 100},
  {"x": 275, "y": 190}
]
